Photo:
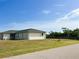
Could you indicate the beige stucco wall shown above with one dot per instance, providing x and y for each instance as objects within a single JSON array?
[
  {"x": 36, "y": 36},
  {"x": 6, "y": 36}
]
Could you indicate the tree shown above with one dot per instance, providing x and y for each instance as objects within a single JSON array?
[
  {"x": 76, "y": 33},
  {"x": 67, "y": 34}
]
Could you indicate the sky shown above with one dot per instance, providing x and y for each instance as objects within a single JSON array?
[{"x": 47, "y": 15}]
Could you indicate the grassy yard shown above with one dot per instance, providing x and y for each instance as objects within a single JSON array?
[{"x": 16, "y": 47}]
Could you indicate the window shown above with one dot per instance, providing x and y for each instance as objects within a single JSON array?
[{"x": 42, "y": 34}]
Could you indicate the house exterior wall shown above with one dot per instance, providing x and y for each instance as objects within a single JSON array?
[
  {"x": 37, "y": 36},
  {"x": 18, "y": 36},
  {"x": 25, "y": 36},
  {"x": 21, "y": 36},
  {"x": 6, "y": 36},
  {"x": 30, "y": 36}
]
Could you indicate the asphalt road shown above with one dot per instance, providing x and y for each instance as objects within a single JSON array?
[{"x": 66, "y": 52}]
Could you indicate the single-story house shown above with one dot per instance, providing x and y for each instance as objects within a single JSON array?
[{"x": 28, "y": 34}]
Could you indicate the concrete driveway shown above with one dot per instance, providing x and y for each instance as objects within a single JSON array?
[{"x": 67, "y": 52}]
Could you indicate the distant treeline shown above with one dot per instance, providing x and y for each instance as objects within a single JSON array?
[{"x": 66, "y": 34}]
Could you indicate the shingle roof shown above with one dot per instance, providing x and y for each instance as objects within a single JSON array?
[
  {"x": 32, "y": 30},
  {"x": 26, "y": 30},
  {"x": 10, "y": 31}
]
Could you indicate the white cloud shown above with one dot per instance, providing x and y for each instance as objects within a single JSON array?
[
  {"x": 46, "y": 11},
  {"x": 70, "y": 20}
]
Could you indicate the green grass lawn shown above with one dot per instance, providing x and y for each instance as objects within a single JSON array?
[{"x": 16, "y": 47}]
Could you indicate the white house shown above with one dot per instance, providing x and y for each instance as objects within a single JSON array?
[{"x": 28, "y": 34}]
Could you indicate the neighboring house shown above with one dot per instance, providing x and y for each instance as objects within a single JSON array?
[{"x": 28, "y": 34}]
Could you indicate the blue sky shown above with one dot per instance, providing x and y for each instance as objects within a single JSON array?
[{"x": 48, "y": 15}]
